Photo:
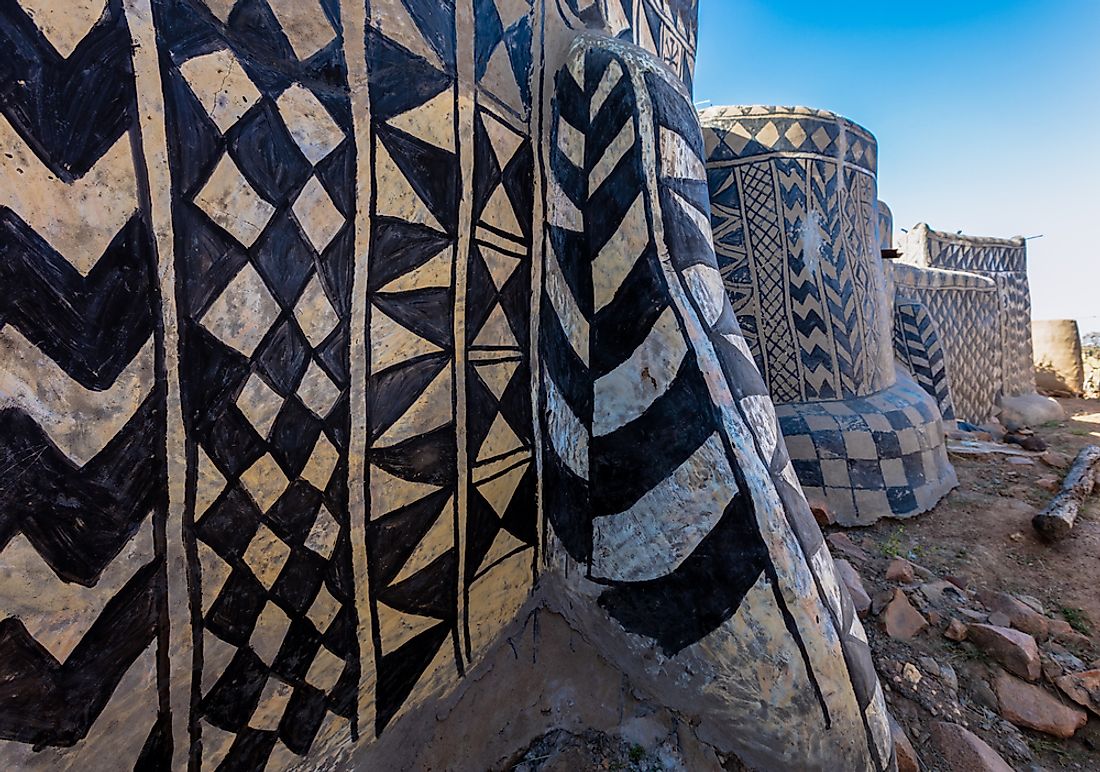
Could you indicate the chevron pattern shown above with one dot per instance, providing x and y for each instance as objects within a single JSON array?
[
  {"x": 794, "y": 234},
  {"x": 1005, "y": 262},
  {"x": 627, "y": 339},
  {"x": 965, "y": 308},
  {"x": 81, "y": 422},
  {"x": 917, "y": 346}
]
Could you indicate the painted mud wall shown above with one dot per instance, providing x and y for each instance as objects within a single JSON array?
[
  {"x": 270, "y": 351},
  {"x": 797, "y": 228}
]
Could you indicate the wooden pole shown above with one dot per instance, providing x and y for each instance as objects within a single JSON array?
[{"x": 1057, "y": 519}]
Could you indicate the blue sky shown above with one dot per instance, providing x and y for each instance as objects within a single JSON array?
[{"x": 987, "y": 114}]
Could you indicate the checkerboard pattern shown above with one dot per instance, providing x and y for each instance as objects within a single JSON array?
[{"x": 881, "y": 455}]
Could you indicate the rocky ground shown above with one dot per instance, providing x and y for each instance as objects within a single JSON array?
[{"x": 985, "y": 636}]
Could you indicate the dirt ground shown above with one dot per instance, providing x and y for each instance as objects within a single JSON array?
[{"x": 981, "y": 535}]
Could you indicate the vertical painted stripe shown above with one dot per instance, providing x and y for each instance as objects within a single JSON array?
[
  {"x": 538, "y": 252},
  {"x": 464, "y": 118},
  {"x": 353, "y": 16},
  {"x": 154, "y": 151}
]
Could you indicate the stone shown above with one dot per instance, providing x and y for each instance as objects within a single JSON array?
[
  {"x": 1033, "y": 707},
  {"x": 959, "y": 581},
  {"x": 1019, "y": 461},
  {"x": 903, "y": 749},
  {"x": 900, "y": 570},
  {"x": 999, "y": 619},
  {"x": 1025, "y": 441},
  {"x": 1063, "y": 632},
  {"x": 956, "y": 631},
  {"x": 1055, "y": 459},
  {"x": 1031, "y": 602},
  {"x": 880, "y": 600},
  {"x": 901, "y": 619},
  {"x": 1083, "y": 688},
  {"x": 1019, "y": 614},
  {"x": 1029, "y": 409},
  {"x": 964, "y": 751},
  {"x": 942, "y": 594},
  {"x": 842, "y": 543},
  {"x": 850, "y": 577},
  {"x": 1016, "y": 650},
  {"x": 822, "y": 515},
  {"x": 973, "y": 614},
  {"x": 1049, "y": 483}
]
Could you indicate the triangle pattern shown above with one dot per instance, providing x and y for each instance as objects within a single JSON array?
[
  {"x": 501, "y": 266},
  {"x": 389, "y": 492},
  {"x": 500, "y": 490},
  {"x": 398, "y": 628},
  {"x": 504, "y": 544},
  {"x": 500, "y": 441},
  {"x": 439, "y": 539},
  {"x": 496, "y": 332},
  {"x": 505, "y": 142},
  {"x": 209, "y": 485},
  {"x": 436, "y": 272},
  {"x": 501, "y": 80},
  {"x": 511, "y": 11},
  {"x": 432, "y": 121},
  {"x": 64, "y": 24},
  {"x": 397, "y": 197},
  {"x": 500, "y": 214},
  {"x": 431, "y": 410},
  {"x": 396, "y": 24},
  {"x": 497, "y": 375},
  {"x": 392, "y": 343}
]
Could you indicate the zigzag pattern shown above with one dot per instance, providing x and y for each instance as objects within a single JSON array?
[
  {"x": 965, "y": 308},
  {"x": 917, "y": 346},
  {"x": 618, "y": 368},
  {"x": 844, "y": 297},
  {"x": 82, "y": 423},
  {"x": 804, "y": 245},
  {"x": 1017, "y": 358}
]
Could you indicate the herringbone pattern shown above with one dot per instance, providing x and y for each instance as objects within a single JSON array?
[{"x": 81, "y": 429}]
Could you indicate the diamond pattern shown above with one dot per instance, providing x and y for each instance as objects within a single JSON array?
[
  {"x": 315, "y": 313},
  {"x": 233, "y": 204},
  {"x": 265, "y": 482},
  {"x": 260, "y": 404},
  {"x": 317, "y": 391},
  {"x": 243, "y": 313},
  {"x": 221, "y": 85},
  {"x": 317, "y": 215},
  {"x": 309, "y": 123}
]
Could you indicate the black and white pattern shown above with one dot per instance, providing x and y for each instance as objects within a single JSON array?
[
  {"x": 263, "y": 180},
  {"x": 82, "y": 472},
  {"x": 917, "y": 347},
  {"x": 965, "y": 308},
  {"x": 648, "y": 382},
  {"x": 1005, "y": 262},
  {"x": 798, "y": 233}
]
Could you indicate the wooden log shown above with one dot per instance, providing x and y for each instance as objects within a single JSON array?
[{"x": 1057, "y": 519}]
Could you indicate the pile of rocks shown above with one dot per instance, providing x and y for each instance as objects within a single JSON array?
[{"x": 954, "y": 658}]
